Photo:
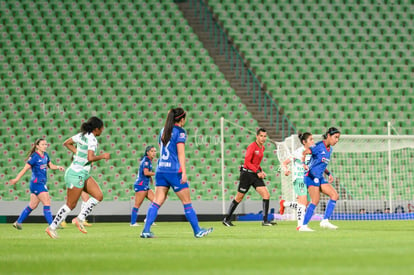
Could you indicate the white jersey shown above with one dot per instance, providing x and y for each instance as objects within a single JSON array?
[
  {"x": 298, "y": 172},
  {"x": 83, "y": 144}
]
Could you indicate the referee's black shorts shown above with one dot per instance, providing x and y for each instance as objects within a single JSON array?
[{"x": 248, "y": 179}]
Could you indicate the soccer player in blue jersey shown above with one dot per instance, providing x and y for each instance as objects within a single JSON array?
[
  {"x": 77, "y": 177},
  {"x": 141, "y": 185},
  {"x": 314, "y": 179},
  {"x": 38, "y": 160},
  {"x": 171, "y": 173}
]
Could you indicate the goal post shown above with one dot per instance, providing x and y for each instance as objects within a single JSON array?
[{"x": 372, "y": 175}]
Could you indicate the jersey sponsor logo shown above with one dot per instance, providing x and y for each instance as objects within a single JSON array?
[
  {"x": 182, "y": 135},
  {"x": 325, "y": 160},
  {"x": 43, "y": 166},
  {"x": 257, "y": 152},
  {"x": 146, "y": 163}
]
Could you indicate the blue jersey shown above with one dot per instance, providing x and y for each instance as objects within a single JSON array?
[
  {"x": 141, "y": 178},
  {"x": 39, "y": 168},
  {"x": 321, "y": 155},
  {"x": 168, "y": 161}
]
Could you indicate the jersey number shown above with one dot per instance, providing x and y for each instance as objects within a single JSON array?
[{"x": 165, "y": 153}]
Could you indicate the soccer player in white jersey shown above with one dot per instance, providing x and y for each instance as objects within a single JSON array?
[
  {"x": 77, "y": 176},
  {"x": 298, "y": 172}
]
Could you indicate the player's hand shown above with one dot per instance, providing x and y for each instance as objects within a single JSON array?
[
  {"x": 330, "y": 179},
  {"x": 106, "y": 156},
  {"x": 12, "y": 181},
  {"x": 287, "y": 172},
  {"x": 183, "y": 178},
  {"x": 305, "y": 167}
]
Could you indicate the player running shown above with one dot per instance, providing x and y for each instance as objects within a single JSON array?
[
  {"x": 171, "y": 172},
  {"x": 77, "y": 176},
  {"x": 316, "y": 183},
  {"x": 306, "y": 139},
  {"x": 251, "y": 174},
  {"x": 141, "y": 186},
  {"x": 38, "y": 160}
]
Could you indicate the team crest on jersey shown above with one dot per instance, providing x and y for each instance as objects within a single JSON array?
[{"x": 146, "y": 163}]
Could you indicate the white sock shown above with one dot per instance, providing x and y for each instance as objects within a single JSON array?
[
  {"x": 83, "y": 205},
  {"x": 290, "y": 204},
  {"x": 89, "y": 205},
  {"x": 301, "y": 213},
  {"x": 60, "y": 216}
]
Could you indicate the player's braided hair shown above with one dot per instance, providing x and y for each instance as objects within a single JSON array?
[
  {"x": 90, "y": 125},
  {"x": 174, "y": 116}
]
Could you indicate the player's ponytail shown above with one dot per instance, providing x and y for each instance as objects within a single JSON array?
[
  {"x": 33, "y": 149},
  {"x": 174, "y": 116},
  {"x": 303, "y": 137},
  {"x": 331, "y": 131},
  {"x": 90, "y": 125}
]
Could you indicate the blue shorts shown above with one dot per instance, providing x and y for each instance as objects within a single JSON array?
[
  {"x": 36, "y": 188},
  {"x": 170, "y": 180},
  {"x": 141, "y": 186},
  {"x": 311, "y": 181}
]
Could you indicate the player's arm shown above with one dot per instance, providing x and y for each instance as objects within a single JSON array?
[
  {"x": 148, "y": 173},
  {"x": 181, "y": 160},
  {"x": 330, "y": 177},
  {"x": 55, "y": 167},
  {"x": 70, "y": 144},
  {"x": 307, "y": 151},
  {"x": 92, "y": 157},
  {"x": 20, "y": 174},
  {"x": 285, "y": 168}
]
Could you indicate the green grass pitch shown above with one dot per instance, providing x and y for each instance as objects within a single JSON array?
[{"x": 358, "y": 247}]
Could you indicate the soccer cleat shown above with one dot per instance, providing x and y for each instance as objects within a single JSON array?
[
  {"x": 326, "y": 224},
  {"x": 79, "y": 225},
  {"x": 304, "y": 228},
  {"x": 17, "y": 225},
  {"x": 133, "y": 225},
  {"x": 268, "y": 223},
  {"x": 282, "y": 207},
  {"x": 51, "y": 232},
  {"x": 227, "y": 223},
  {"x": 147, "y": 235},
  {"x": 85, "y": 223},
  {"x": 203, "y": 232}
]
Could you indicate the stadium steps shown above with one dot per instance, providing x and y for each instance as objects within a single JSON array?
[{"x": 225, "y": 67}]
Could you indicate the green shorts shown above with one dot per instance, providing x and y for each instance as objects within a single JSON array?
[
  {"x": 76, "y": 179},
  {"x": 300, "y": 188}
]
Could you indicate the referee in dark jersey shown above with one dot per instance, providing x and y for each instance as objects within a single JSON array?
[{"x": 251, "y": 174}]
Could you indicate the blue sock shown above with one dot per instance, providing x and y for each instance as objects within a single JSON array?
[
  {"x": 25, "y": 213},
  {"x": 309, "y": 213},
  {"x": 329, "y": 209},
  {"x": 191, "y": 216},
  {"x": 47, "y": 213},
  {"x": 151, "y": 216},
  {"x": 134, "y": 215}
]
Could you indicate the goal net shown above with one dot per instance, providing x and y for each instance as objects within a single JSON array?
[{"x": 372, "y": 175}]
